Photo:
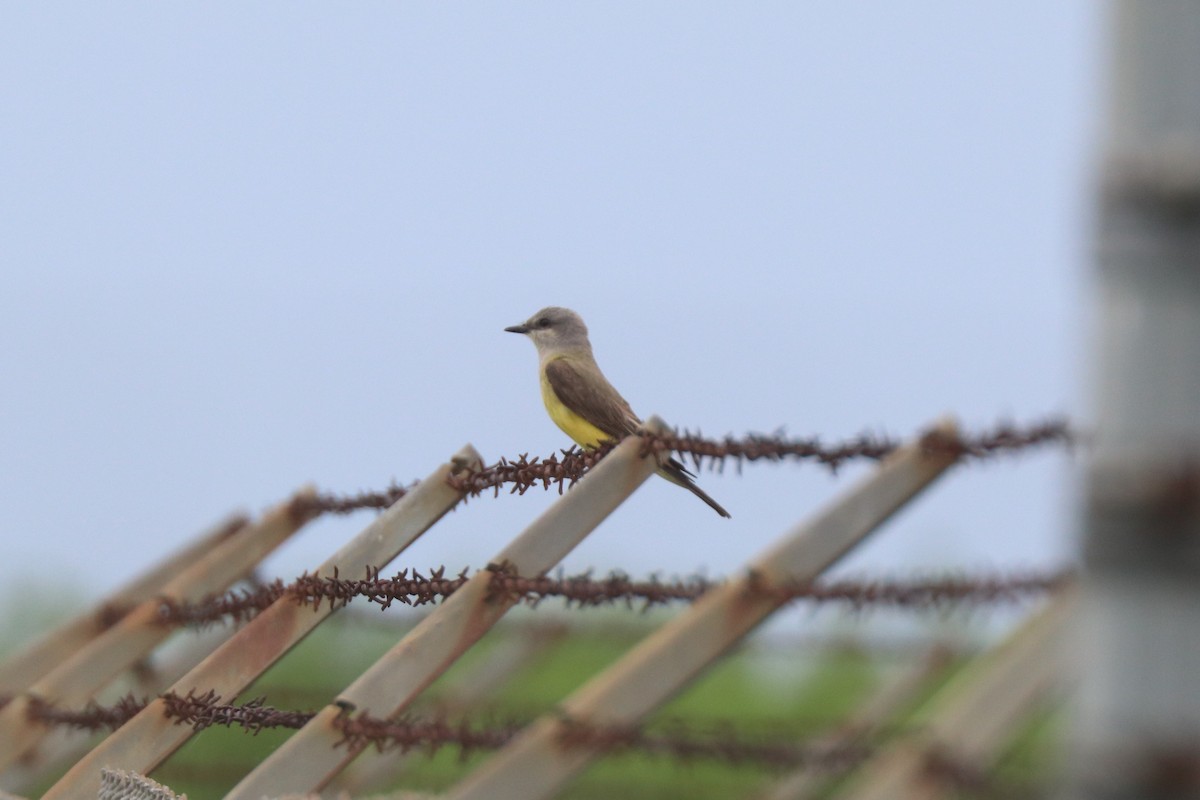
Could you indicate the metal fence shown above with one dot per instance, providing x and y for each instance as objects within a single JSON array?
[{"x": 49, "y": 685}]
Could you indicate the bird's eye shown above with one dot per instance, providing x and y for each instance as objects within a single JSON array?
[{"x": 544, "y": 322}]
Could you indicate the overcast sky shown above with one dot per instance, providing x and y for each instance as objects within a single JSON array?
[{"x": 249, "y": 246}]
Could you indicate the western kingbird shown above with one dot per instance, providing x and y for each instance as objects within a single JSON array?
[{"x": 579, "y": 398}]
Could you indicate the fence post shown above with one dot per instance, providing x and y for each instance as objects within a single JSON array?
[{"x": 1137, "y": 731}]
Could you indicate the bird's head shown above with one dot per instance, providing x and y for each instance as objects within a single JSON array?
[{"x": 554, "y": 328}]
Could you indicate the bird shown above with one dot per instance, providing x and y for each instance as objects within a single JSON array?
[{"x": 578, "y": 397}]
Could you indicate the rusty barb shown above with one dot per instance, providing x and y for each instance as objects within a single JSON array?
[
  {"x": 93, "y": 717},
  {"x": 412, "y": 588},
  {"x": 563, "y": 469},
  {"x": 205, "y": 710},
  {"x": 719, "y": 740},
  {"x": 310, "y": 506},
  {"x": 409, "y": 732}
]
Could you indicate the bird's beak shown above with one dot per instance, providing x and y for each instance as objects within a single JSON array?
[{"x": 522, "y": 328}]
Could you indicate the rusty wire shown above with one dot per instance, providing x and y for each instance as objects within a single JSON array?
[
  {"x": 721, "y": 742},
  {"x": 931, "y": 592},
  {"x": 409, "y": 587},
  {"x": 236, "y": 605},
  {"x": 410, "y": 732},
  {"x": 92, "y": 717},
  {"x": 205, "y": 710},
  {"x": 563, "y": 469},
  {"x": 412, "y": 588},
  {"x": 310, "y": 506},
  {"x": 677, "y": 739}
]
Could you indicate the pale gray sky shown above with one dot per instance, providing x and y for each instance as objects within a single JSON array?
[{"x": 247, "y": 246}]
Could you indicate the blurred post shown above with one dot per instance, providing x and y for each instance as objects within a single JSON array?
[{"x": 1137, "y": 731}]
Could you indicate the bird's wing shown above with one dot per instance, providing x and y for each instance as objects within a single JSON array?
[{"x": 592, "y": 397}]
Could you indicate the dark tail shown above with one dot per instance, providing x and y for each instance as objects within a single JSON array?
[{"x": 677, "y": 474}]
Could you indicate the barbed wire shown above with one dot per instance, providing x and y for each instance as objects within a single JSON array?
[
  {"x": 563, "y": 469},
  {"x": 410, "y": 732},
  {"x": 677, "y": 740},
  {"x": 412, "y": 588},
  {"x": 310, "y": 506},
  {"x": 92, "y": 717},
  {"x": 680, "y": 741},
  {"x": 205, "y": 710},
  {"x": 720, "y": 742}
]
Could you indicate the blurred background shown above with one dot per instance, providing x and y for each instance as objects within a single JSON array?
[{"x": 250, "y": 247}]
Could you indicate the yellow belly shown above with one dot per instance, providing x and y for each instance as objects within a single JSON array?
[{"x": 583, "y": 432}]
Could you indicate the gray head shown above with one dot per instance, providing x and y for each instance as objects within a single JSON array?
[{"x": 555, "y": 328}]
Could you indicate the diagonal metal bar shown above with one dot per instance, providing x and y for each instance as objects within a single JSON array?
[
  {"x": 151, "y": 737},
  {"x": 309, "y": 759},
  {"x": 62, "y": 748},
  {"x": 35, "y": 660},
  {"x": 470, "y": 692},
  {"x": 977, "y": 712},
  {"x": 806, "y": 783},
  {"x": 90, "y": 668},
  {"x": 538, "y": 763}
]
